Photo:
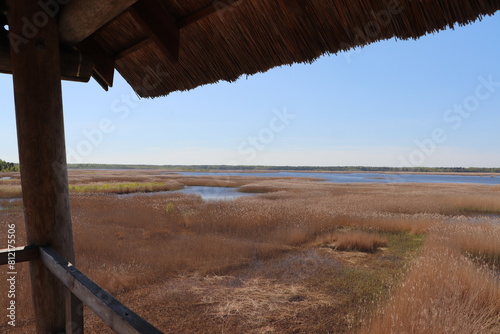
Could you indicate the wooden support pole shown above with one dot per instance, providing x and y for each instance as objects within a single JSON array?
[{"x": 42, "y": 155}]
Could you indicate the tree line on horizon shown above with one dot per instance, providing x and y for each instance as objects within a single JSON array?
[
  {"x": 8, "y": 166},
  {"x": 198, "y": 168},
  {"x": 12, "y": 167}
]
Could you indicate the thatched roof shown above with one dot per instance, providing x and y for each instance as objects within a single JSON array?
[{"x": 224, "y": 39}]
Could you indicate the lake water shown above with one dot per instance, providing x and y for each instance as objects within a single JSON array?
[
  {"x": 367, "y": 177},
  {"x": 5, "y": 178},
  {"x": 214, "y": 193},
  {"x": 6, "y": 202},
  {"x": 206, "y": 193}
]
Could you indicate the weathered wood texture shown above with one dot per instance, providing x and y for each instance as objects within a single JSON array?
[
  {"x": 159, "y": 25},
  {"x": 116, "y": 315},
  {"x": 214, "y": 7},
  {"x": 18, "y": 254},
  {"x": 74, "y": 65},
  {"x": 104, "y": 64},
  {"x": 133, "y": 48},
  {"x": 42, "y": 156},
  {"x": 81, "y": 18}
]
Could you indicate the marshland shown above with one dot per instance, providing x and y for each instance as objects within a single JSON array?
[{"x": 295, "y": 255}]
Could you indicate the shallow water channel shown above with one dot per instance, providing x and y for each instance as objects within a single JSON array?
[
  {"x": 366, "y": 177},
  {"x": 206, "y": 193},
  {"x": 6, "y": 202}
]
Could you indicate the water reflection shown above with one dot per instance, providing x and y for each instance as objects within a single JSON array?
[
  {"x": 206, "y": 193},
  {"x": 214, "y": 193},
  {"x": 366, "y": 177},
  {"x": 7, "y": 202}
]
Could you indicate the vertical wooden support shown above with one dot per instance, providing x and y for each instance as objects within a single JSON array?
[{"x": 39, "y": 115}]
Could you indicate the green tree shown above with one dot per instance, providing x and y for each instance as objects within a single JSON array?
[{"x": 8, "y": 166}]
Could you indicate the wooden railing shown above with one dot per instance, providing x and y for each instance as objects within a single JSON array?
[{"x": 116, "y": 315}]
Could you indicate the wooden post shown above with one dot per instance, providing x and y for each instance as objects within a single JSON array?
[{"x": 39, "y": 115}]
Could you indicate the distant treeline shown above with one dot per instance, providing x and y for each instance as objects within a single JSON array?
[
  {"x": 8, "y": 166},
  {"x": 294, "y": 168}
]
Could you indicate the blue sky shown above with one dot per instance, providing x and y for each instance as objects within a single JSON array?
[{"x": 430, "y": 102}]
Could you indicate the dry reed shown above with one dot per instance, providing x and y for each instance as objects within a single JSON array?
[
  {"x": 444, "y": 293},
  {"x": 354, "y": 241},
  {"x": 131, "y": 244}
]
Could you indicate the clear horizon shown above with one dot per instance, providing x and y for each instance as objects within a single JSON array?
[{"x": 433, "y": 102}]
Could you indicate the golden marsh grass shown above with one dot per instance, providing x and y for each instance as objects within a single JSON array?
[{"x": 259, "y": 264}]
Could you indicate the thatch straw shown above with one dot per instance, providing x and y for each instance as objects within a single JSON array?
[{"x": 250, "y": 36}]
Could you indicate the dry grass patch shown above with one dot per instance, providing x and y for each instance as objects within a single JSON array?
[
  {"x": 255, "y": 301},
  {"x": 443, "y": 293},
  {"x": 392, "y": 222},
  {"x": 125, "y": 188},
  {"x": 354, "y": 241},
  {"x": 10, "y": 191},
  {"x": 133, "y": 244},
  {"x": 447, "y": 290},
  {"x": 257, "y": 189},
  {"x": 479, "y": 241}
]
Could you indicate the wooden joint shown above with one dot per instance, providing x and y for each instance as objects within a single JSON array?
[
  {"x": 215, "y": 7},
  {"x": 104, "y": 64},
  {"x": 80, "y": 19},
  {"x": 75, "y": 66},
  {"x": 160, "y": 26},
  {"x": 133, "y": 48},
  {"x": 18, "y": 254},
  {"x": 116, "y": 315}
]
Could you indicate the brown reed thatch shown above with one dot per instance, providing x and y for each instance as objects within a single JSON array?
[{"x": 224, "y": 39}]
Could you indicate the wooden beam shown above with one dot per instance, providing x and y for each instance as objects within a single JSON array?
[
  {"x": 159, "y": 25},
  {"x": 104, "y": 64},
  {"x": 36, "y": 74},
  {"x": 18, "y": 254},
  {"x": 297, "y": 7},
  {"x": 215, "y": 7},
  {"x": 75, "y": 66},
  {"x": 116, "y": 315},
  {"x": 81, "y": 18},
  {"x": 133, "y": 48}
]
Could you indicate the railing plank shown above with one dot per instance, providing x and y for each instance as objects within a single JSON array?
[
  {"x": 116, "y": 315},
  {"x": 21, "y": 254}
]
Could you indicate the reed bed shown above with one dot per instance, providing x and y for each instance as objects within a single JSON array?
[
  {"x": 158, "y": 251},
  {"x": 478, "y": 241},
  {"x": 125, "y": 188},
  {"x": 354, "y": 241},
  {"x": 10, "y": 191},
  {"x": 445, "y": 292}
]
